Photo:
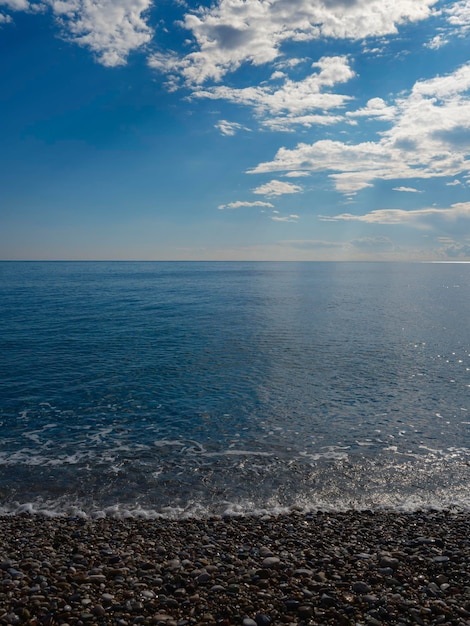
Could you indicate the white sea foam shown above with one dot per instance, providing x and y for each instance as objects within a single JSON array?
[
  {"x": 33, "y": 458},
  {"x": 167, "y": 442},
  {"x": 240, "y": 508},
  {"x": 233, "y": 452}
]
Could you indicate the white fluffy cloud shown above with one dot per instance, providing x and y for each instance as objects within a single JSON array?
[
  {"x": 16, "y": 5},
  {"x": 293, "y": 98},
  {"x": 459, "y": 15},
  {"x": 233, "y": 32},
  {"x": 437, "y": 42},
  {"x": 277, "y": 188},
  {"x": 286, "y": 123},
  {"x": 230, "y": 33},
  {"x": 430, "y": 138},
  {"x": 375, "y": 108},
  {"x": 111, "y": 29}
]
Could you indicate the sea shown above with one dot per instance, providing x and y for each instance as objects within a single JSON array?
[{"x": 192, "y": 389}]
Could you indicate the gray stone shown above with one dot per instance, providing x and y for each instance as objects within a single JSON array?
[
  {"x": 389, "y": 561},
  {"x": 107, "y": 598},
  {"x": 303, "y": 572},
  {"x": 370, "y": 598},
  {"x": 360, "y": 587},
  {"x": 270, "y": 562},
  {"x": 203, "y": 578}
]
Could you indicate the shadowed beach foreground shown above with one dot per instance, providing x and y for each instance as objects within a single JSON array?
[{"x": 321, "y": 568}]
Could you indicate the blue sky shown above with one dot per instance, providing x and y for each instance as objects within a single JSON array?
[{"x": 235, "y": 129}]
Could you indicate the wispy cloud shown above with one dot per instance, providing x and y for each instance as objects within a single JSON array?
[
  {"x": 372, "y": 243},
  {"x": 229, "y": 128},
  {"x": 287, "y": 218},
  {"x": 311, "y": 244},
  {"x": 294, "y": 174},
  {"x": 399, "y": 216},
  {"x": 277, "y": 188},
  {"x": 288, "y": 123},
  {"x": 456, "y": 250},
  {"x": 407, "y": 189},
  {"x": 240, "y": 204},
  {"x": 365, "y": 247},
  {"x": 293, "y": 98}
]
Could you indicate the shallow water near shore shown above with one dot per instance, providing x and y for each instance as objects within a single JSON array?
[{"x": 192, "y": 389}]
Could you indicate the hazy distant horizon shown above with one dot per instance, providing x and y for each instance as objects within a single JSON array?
[{"x": 395, "y": 261}]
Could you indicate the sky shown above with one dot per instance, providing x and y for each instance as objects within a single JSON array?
[{"x": 235, "y": 130}]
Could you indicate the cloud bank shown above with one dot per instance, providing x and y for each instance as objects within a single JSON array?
[
  {"x": 234, "y": 32},
  {"x": 430, "y": 137}
]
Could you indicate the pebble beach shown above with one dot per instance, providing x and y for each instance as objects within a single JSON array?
[{"x": 352, "y": 567}]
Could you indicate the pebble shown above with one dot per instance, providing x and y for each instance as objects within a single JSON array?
[
  {"x": 305, "y": 611},
  {"x": 270, "y": 562},
  {"x": 389, "y": 562},
  {"x": 107, "y": 598},
  {"x": 360, "y": 587},
  {"x": 99, "y": 610},
  {"x": 344, "y": 568},
  {"x": 303, "y": 572}
]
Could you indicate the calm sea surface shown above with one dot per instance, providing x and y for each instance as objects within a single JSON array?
[{"x": 195, "y": 388}]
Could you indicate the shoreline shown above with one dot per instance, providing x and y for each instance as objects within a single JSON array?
[{"x": 354, "y": 567}]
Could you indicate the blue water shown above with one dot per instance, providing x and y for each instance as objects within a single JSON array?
[{"x": 178, "y": 389}]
